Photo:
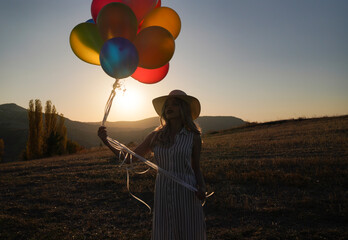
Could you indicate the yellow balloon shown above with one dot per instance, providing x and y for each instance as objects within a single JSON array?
[
  {"x": 86, "y": 42},
  {"x": 164, "y": 17}
]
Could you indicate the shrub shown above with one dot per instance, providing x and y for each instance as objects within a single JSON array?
[
  {"x": 2, "y": 147},
  {"x": 72, "y": 147}
]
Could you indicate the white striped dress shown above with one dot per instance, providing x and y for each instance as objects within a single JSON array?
[{"x": 178, "y": 213}]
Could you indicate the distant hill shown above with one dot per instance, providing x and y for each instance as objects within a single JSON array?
[{"x": 14, "y": 129}]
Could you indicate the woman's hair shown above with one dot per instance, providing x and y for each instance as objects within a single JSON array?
[{"x": 162, "y": 134}]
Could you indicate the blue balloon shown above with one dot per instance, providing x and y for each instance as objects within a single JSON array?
[
  {"x": 119, "y": 57},
  {"x": 90, "y": 21}
]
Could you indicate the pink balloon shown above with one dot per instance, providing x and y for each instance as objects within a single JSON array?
[
  {"x": 150, "y": 76},
  {"x": 139, "y": 7}
]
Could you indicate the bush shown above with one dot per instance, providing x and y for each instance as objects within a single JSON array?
[
  {"x": 72, "y": 147},
  {"x": 2, "y": 147}
]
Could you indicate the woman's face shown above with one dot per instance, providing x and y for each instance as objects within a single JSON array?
[{"x": 172, "y": 108}]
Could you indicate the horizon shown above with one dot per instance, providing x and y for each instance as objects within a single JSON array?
[
  {"x": 258, "y": 61},
  {"x": 201, "y": 116}
]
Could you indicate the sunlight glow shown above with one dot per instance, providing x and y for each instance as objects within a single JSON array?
[{"x": 128, "y": 101}]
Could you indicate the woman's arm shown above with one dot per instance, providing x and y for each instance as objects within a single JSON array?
[
  {"x": 145, "y": 147},
  {"x": 102, "y": 134},
  {"x": 141, "y": 150},
  {"x": 196, "y": 156}
]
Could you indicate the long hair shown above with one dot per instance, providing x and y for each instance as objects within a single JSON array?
[{"x": 162, "y": 132}]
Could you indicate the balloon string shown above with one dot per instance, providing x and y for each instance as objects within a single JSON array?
[
  {"x": 135, "y": 197},
  {"x": 109, "y": 102},
  {"x": 125, "y": 152}
]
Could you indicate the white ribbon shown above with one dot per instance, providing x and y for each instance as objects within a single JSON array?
[
  {"x": 109, "y": 102},
  {"x": 125, "y": 151}
]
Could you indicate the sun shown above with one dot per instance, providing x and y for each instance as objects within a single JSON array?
[{"x": 128, "y": 100}]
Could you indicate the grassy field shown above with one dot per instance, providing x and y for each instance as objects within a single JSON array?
[{"x": 276, "y": 180}]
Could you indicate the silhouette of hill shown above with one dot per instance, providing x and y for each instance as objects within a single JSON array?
[{"x": 14, "y": 129}]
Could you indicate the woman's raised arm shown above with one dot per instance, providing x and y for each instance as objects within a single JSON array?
[{"x": 142, "y": 149}]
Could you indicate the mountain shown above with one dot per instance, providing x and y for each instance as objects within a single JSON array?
[{"x": 14, "y": 129}]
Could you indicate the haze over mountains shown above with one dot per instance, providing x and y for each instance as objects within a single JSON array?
[{"x": 14, "y": 129}]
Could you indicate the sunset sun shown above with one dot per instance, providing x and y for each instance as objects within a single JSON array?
[{"x": 128, "y": 100}]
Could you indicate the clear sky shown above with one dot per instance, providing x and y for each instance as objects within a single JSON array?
[{"x": 256, "y": 60}]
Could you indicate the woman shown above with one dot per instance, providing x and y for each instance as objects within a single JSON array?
[{"x": 176, "y": 144}]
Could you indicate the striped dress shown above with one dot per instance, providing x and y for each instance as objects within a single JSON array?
[{"x": 178, "y": 213}]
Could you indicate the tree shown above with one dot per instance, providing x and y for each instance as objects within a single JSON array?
[
  {"x": 38, "y": 129},
  {"x": 35, "y": 138},
  {"x": 62, "y": 132},
  {"x": 48, "y": 116},
  {"x": 47, "y": 126},
  {"x": 57, "y": 140},
  {"x": 54, "y": 119},
  {"x": 2, "y": 147},
  {"x": 53, "y": 144},
  {"x": 72, "y": 147},
  {"x": 51, "y": 138},
  {"x": 47, "y": 138},
  {"x": 31, "y": 134}
]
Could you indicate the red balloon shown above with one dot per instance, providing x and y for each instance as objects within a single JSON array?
[
  {"x": 157, "y": 6},
  {"x": 139, "y": 7},
  {"x": 139, "y": 26},
  {"x": 97, "y": 5},
  {"x": 150, "y": 76},
  {"x": 117, "y": 20}
]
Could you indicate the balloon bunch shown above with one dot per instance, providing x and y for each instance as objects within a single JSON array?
[{"x": 128, "y": 38}]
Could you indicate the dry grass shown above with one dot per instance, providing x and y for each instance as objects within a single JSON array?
[{"x": 280, "y": 180}]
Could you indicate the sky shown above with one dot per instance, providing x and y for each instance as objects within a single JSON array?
[{"x": 256, "y": 60}]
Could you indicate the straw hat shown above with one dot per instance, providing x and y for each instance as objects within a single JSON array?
[{"x": 193, "y": 102}]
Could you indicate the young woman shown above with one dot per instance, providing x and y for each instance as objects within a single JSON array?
[{"x": 176, "y": 144}]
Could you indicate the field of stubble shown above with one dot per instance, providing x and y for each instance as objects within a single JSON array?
[{"x": 277, "y": 180}]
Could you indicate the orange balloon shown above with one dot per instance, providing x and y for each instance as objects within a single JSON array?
[
  {"x": 117, "y": 20},
  {"x": 164, "y": 17},
  {"x": 155, "y": 47}
]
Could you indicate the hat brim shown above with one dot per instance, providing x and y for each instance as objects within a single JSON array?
[{"x": 193, "y": 102}]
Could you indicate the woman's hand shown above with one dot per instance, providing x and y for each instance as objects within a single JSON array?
[{"x": 102, "y": 134}]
